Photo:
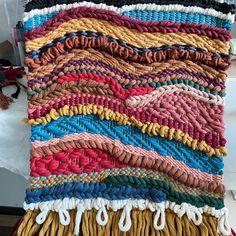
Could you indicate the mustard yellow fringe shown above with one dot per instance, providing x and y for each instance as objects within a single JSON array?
[
  {"x": 152, "y": 129},
  {"x": 142, "y": 225},
  {"x": 129, "y": 36}
]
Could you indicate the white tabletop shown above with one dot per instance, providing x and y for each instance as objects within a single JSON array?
[{"x": 15, "y": 135}]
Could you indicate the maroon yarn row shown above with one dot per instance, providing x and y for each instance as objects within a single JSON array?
[{"x": 142, "y": 26}]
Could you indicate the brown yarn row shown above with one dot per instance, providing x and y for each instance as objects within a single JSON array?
[{"x": 126, "y": 53}]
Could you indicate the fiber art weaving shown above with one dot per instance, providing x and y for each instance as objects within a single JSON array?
[{"x": 126, "y": 103}]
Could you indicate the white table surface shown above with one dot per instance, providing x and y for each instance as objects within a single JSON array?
[{"x": 15, "y": 135}]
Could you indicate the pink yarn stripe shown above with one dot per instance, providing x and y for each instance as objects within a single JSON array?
[{"x": 182, "y": 108}]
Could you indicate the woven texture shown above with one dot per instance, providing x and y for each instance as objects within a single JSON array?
[{"x": 126, "y": 103}]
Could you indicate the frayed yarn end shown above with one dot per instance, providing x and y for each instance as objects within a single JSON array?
[{"x": 5, "y": 101}]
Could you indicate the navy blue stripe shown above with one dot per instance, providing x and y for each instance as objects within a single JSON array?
[{"x": 91, "y": 190}]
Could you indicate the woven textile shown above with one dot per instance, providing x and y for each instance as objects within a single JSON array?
[{"x": 126, "y": 104}]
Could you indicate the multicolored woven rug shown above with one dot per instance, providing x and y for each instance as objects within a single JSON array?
[{"x": 126, "y": 104}]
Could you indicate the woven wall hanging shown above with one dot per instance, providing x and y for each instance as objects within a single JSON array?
[{"x": 126, "y": 104}]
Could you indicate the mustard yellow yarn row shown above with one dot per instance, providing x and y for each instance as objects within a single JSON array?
[
  {"x": 142, "y": 225},
  {"x": 152, "y": 129},
  {"x": 130, "y": 36}
]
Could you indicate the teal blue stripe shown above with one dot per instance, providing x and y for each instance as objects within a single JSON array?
[
  {"x": 91, "y": 191},
  {"x": 179, "y": 17},
  {"x": 38, "y": 20},
  {"x": 121, "y": 188},
  {"x": 173, "y": 16}
]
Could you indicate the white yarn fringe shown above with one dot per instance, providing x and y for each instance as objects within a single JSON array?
[
  {"x": 119, "y": 10},
  {"x": 102, "y": 205}
]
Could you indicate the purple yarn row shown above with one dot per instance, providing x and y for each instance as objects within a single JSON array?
[{"x": 87, "y": 62}]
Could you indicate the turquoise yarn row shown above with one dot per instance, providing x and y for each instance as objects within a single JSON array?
[
  {"x": 147, "y": 15},
  {"x": 92, "y": 124},
  {"x": 179, "y": 17}
]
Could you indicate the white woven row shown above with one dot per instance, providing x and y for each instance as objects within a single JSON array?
[{"x": 119, "y": 10}]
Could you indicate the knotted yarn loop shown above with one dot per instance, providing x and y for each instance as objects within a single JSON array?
[
  {"x": 160, "y": 215},
  {"x": 223, "y": 223},
  {"x": 44, "y": 208},
  {"x": 102, "y": 215},
  {"x": 125, "y": 219}
]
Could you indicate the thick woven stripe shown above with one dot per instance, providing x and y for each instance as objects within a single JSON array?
[{"x": 126, "y": 103}]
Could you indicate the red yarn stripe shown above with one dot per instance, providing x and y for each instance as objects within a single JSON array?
[
  {"x": 116, "y": 88},
  {"x": 78, "y": 161}
]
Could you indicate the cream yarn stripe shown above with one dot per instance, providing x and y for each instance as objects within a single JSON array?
[
  {"x": 143, "y": 100},
  {"x": 119, "y": 10}
]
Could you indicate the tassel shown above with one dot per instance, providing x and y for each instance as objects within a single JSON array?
[
  {"x": 5, "y": 101},
  {"x": 125, "y": 220}
]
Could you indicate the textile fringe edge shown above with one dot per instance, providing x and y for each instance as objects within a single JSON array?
[{"x": 73, "y": 216}]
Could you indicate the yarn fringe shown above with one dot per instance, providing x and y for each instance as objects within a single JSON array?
[
  {"x": 73, "y": 215},
  {"x": 141, "y": 225}
]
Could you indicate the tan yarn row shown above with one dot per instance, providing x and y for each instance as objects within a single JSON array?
[
  {"x": 61, "y": 90},
  {"x": 130, "y": 36},
  {"x": 101, "y": 176},
  {"x": 131, "y": 67},
  {"x": 124, "y": 81},
  {"x": 142, "y": 225},
  {"x": 171, "y": 65}
]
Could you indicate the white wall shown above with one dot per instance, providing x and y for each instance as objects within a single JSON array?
[
  {"x": 4, "y": 34},
  {"x": 10, "y": 14},
  {"x": 234, "y": 30},
  {"x": 10, "y": 17},
  {"x": 230, "y": 123},
  {"x": 13, "y": 188}
]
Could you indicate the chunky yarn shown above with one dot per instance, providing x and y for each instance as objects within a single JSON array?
[{"x": 126, "y": 103}]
